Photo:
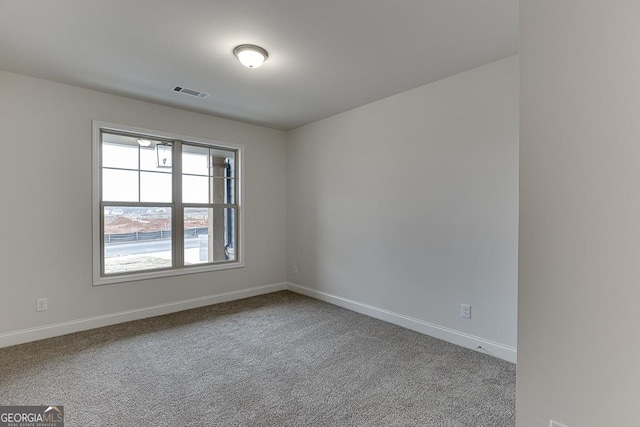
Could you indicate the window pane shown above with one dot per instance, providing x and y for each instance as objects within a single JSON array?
[
  {"x": 195, "y": 160},
  {"x": 219, "y": 166},
  {"x": 119, "y": 185},
  {"x": 195, "y": 189},
  {"x": 205, "y": 161},
  {"x": 123, "y": 154},
  {"x": 225, "y": 160},
  {"x": 209, "y": 235},
  {"x": 136, "y": 239},
  {"x": 155, "y": 187},
  {"x": 149, "y": 158},
  {"x": 223, "y": 191}
]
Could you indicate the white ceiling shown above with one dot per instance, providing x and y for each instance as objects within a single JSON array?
[{"x": 325, "y": 56}]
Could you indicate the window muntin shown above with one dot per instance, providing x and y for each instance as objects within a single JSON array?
[
  {"x": 167, "y": 206},
  {"x": 130, "y": 172},
  {"x": 208, "y": 175}
]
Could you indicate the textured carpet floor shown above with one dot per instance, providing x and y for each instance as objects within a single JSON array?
[{"x": 274, "y": 360}]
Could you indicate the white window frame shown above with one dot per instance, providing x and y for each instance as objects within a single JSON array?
[{"x": 98, "y": 279}]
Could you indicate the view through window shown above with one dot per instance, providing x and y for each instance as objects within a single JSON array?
[{"x": 165, "y": 204}]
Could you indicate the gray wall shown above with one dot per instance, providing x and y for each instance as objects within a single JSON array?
[
  {"x": 45, "y": 221},
  {"x": 578, "y": 341},
  {"x": 410, "y": 204}
]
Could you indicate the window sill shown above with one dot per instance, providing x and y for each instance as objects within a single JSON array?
[{"x": 159, "y": 274}]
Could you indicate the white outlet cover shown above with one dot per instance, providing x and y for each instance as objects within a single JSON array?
[
  {"x": 465, "y": 311},
  {"x": 553, "y": 423},
  {"x": 41, "y": 304}
]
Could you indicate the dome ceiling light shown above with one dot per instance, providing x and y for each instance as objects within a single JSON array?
[{"x": 250, "y": 56}]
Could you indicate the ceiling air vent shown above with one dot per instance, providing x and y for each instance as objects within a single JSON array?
[{"x": 191, "y": 92}]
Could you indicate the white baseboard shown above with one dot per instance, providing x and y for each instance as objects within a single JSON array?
[
  {"x": 492, "y": 348},
  {"x": 456, "y": 337},
  {"x": 63, "y": 328}
]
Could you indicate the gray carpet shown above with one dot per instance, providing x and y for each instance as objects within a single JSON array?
[{"x": 275, "y": 360}]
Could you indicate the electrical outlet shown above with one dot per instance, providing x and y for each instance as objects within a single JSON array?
[
  {"x": 553, "y": 423},
  {"x": 295, "y": 270},
  {"x": 42, "y": 304},
  {"x": 465, "y": 311}
]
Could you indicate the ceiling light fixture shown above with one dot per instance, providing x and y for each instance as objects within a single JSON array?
[{"x": 250, "y": 56}]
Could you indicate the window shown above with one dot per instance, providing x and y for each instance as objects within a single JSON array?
[{"x": 164, "y": 204}]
